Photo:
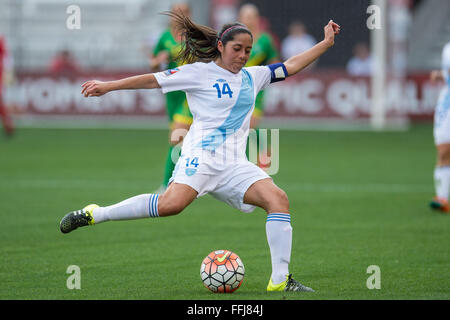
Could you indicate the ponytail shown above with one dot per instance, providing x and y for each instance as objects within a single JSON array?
[{"x": 200, "y": 42}]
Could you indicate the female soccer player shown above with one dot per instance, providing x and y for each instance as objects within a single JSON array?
[
  {"x": 221, "y": 95},
  {"x": 442, "y": 135}
]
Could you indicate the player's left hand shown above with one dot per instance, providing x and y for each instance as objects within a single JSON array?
[
  {"x": 94, "y": 88},
  {"x": 330, "y": 30}
]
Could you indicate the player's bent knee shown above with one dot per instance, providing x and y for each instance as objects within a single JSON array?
[
  {"x": 279, "y": 202},
  {"x": 284, "y": 200}
]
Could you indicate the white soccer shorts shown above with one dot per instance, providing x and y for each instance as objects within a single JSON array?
[{"x": 228, "y": 184}]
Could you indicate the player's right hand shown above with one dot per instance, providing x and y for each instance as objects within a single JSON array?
[{"x": 94, "y": 88}]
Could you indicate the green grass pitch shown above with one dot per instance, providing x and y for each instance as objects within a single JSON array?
[{"x": 357, "y": 199}]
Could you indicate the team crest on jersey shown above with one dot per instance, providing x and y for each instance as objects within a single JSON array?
[
  {"x": 190, "y": 171},
  {"x": 221, "y": 80},
  {"x": 171, "y": 71}
]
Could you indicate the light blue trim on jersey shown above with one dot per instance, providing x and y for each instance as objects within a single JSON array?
[{"x": 235, "y": 119}]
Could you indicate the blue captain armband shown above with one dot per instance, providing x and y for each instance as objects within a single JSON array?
[{"x": 278, "y": 72}]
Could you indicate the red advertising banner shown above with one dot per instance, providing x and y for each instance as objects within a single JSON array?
[
  {"x": 338, "y": 95},
  {"x": 45, "y": 94},
  {"x": 331, "y": 94}
]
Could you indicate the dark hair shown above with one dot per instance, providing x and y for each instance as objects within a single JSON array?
[{"x": 200, "y": 42}]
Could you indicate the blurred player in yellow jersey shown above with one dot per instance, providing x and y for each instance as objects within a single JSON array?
[
  {"x": 264, "y": 52},
  {"x": 180, "y": 118}
]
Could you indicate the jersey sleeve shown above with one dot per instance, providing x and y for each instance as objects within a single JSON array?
[
  {"x": 265, "y": 75},
  {"x": 185, "y": 78},
  {"x": 260, "y": 75}
]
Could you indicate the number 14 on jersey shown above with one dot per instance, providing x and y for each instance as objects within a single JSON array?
[{"x": 225, "y": 90}]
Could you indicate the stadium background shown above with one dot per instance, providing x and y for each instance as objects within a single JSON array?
[
  {"x": 361, "y": 195},
  {"x": 115, "y": 37}
]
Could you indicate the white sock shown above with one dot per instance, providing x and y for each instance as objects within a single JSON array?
[
  {"x": 142, "y": 206},
  {"x": 279, "y": 237},
  {"x": 442, "y": 182}
]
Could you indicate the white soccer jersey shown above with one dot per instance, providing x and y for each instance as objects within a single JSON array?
[{"x": 221, "y": 104}]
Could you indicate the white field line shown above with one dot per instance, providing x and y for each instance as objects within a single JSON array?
[
  {"x": 161, "y": 122},
  {"x": 289, "y": 187},
  {"x": 361, "y": 187}
]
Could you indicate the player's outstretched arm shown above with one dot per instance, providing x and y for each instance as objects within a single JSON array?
[
  {"x": 304, "y": 59},
  {"x": 96, "y": 88}
]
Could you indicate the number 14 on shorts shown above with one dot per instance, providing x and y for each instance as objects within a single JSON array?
[{"x": 192, "y": 162}]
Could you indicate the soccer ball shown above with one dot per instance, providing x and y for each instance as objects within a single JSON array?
[{"x": 222, "y": 271}]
